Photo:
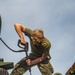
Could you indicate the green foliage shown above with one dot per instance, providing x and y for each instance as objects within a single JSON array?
[{"x": 57, "y": 73}]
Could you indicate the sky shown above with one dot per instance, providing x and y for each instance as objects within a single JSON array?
[{"x": 55, "y": 17}]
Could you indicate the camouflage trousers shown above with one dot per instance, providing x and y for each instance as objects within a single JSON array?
[{"x": 21, "y": 67}]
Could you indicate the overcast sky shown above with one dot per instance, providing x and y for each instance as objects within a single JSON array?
[{"x": 55, "y": 17}]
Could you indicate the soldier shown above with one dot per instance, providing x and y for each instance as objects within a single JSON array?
[{"x": 40, "y": 48}]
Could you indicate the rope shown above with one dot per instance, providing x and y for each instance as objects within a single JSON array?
[{"x": 10, "y": 48}]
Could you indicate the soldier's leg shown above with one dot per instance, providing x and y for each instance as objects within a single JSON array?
[
  {"x": 45, "y": 68},
  {"x": 20, "y": 68}
]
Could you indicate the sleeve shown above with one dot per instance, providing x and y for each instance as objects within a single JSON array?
[
  {"x": 46, "y": 50},
  {"x": 28, "y": 32}
]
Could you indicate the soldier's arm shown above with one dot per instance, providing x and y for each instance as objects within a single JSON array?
[
  {"x": 36, "y": 61},
  {"x": 20, "y": 29}
]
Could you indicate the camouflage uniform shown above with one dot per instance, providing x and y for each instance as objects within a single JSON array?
[{"x": 45, "y": 67}]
